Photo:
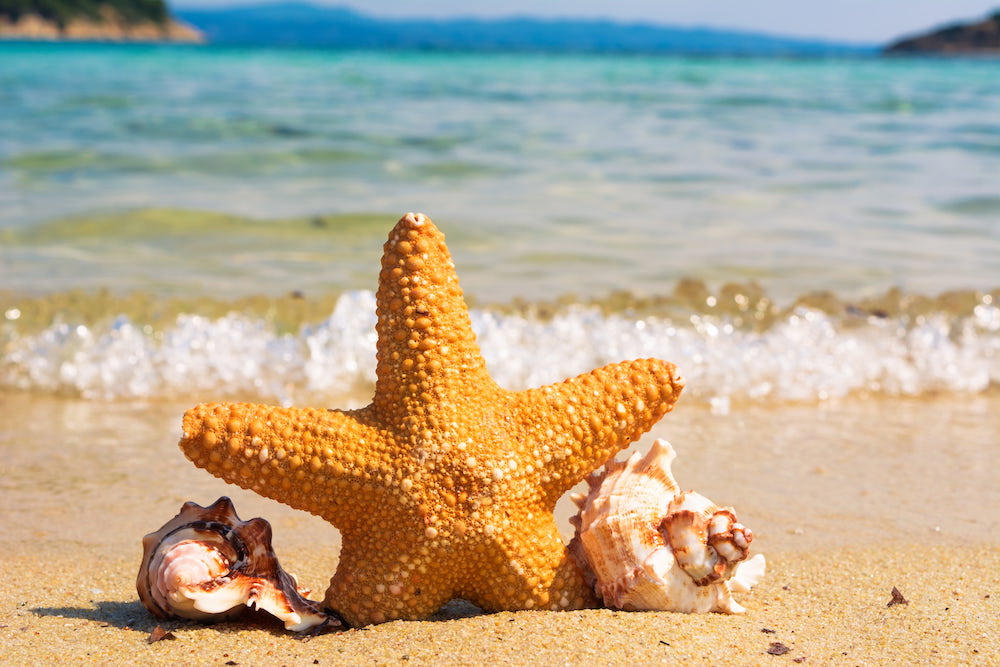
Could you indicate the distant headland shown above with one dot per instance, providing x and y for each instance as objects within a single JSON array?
[
  {"x": 299, "y": 24},
  {"x": 293, "y": 23},
  {"x": 93, "y": 20},
  {"x": 980, "y": 37}
]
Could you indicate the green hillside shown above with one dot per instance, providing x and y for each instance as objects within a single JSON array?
[{"x": 61, "y": 12}]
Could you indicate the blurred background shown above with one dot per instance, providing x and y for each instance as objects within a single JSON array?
[{"x": 816, "y": 186}]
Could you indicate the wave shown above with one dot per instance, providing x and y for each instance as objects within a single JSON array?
[{"x": 805, "y": 354}]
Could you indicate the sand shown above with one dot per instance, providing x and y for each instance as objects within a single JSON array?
[{"x": 847, "y": 500}]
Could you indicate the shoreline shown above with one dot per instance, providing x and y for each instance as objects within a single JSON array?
[
  {"x": 847, "y": 500},
  {"x": 736, "y": 346}
]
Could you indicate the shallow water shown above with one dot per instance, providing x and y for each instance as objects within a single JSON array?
[
  {"x": 209, "y": 220},
  {"x": 550, "y": 174}
]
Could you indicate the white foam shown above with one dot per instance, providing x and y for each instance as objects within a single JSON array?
[{"x": 808, "y": 356}]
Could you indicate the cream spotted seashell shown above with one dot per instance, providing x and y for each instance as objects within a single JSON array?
[
  {"x": 645, "y": 545},
  {"x": 206, "y": 564}
]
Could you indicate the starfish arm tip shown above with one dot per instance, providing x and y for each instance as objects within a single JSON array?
[{"x": 287, "y": 454}]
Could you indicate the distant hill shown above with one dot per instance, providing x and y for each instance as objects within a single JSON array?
[
  {"x": 980, "y": 37},
  {"x": 116, "y": 20},
  {"x": 304, "y": 25}
]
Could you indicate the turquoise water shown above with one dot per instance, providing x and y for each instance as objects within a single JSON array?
[{"x": 550, "y": 175}]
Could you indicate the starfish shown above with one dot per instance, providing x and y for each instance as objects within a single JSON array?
[{"x": 444, "y": 485}]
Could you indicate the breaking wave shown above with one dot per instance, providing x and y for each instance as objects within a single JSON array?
[{"x": 803, "y": 355}]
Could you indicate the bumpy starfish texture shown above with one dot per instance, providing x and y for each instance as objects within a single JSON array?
[{"x": 444, "y": 486}]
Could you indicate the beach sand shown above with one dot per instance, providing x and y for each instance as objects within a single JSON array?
[{"x": 846, "y": 499}]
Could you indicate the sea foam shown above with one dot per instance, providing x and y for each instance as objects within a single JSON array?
[{"x": 807, "y": 355}]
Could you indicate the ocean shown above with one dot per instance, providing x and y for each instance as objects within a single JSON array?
[{"x": 198, "y": 223}]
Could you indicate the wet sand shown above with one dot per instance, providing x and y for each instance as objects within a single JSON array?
[{"x": 847, "y": 500}]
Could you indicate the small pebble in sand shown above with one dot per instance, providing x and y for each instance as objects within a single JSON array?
[{"x": 897, "y": 598}]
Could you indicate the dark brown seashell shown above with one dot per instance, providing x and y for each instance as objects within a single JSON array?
[{"x": 208, "y": 565}]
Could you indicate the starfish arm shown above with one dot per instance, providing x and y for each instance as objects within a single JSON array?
[
  {"x": 576, "y": 425},
  {"x": 308, "y": 458},
  {"x": 427, "y": 350},
  {"x": 528, "y": 569}
]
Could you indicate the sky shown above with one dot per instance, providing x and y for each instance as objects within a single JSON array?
[{"x": 865, "y": 21}]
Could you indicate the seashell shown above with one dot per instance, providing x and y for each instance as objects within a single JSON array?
[
  {"x": 206, "y": 564},
  {"x": 645, "y": 545}
]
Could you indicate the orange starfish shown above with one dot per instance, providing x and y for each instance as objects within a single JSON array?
[{"x": 444, "y": 486}]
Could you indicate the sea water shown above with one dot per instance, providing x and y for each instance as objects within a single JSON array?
[{"x": 782, "y": 229}]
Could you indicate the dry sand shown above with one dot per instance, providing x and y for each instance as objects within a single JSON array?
[{"x": 846, "y": 500}]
